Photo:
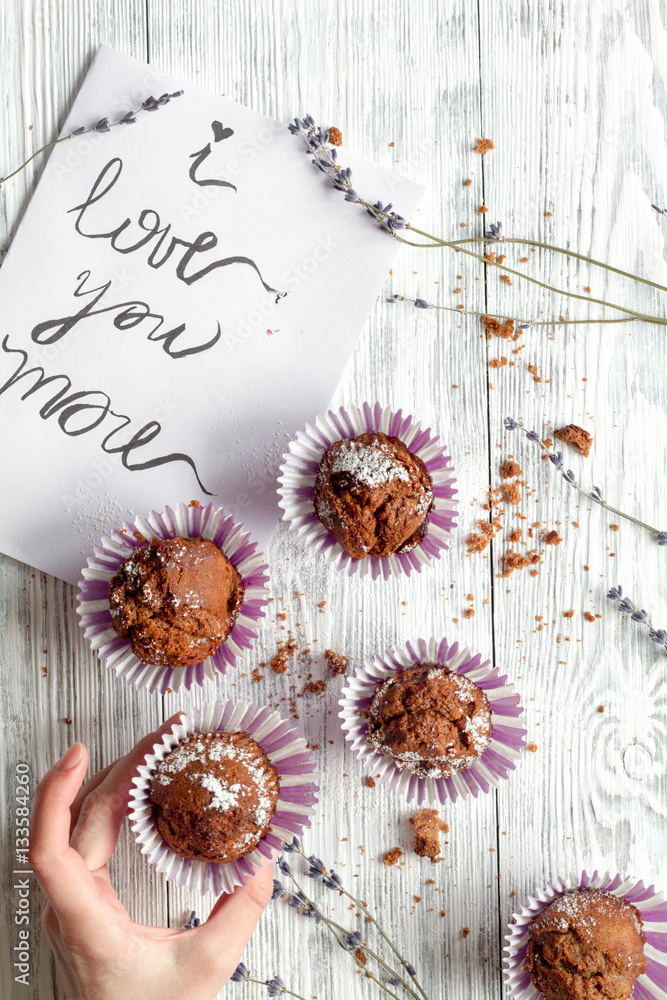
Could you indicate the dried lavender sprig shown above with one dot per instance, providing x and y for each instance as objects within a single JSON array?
[
  {"x": 349, "y": 941},
  {"x": 522, "y": 324},
  {"x": 626, "y": 607},
  {"x": 595, "y": 493},
  {"x": 103, "y": 125},
  {"x": 276, "y": 987},
  {"x": 318, "y": 870},
  {"x": 326, "y": 161}
]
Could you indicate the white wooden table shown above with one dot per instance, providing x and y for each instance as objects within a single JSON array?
[{"x": 573, "y": 97}]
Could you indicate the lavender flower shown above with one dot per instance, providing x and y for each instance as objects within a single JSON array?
[
  {"x": 239, "y": 973},
  {"x": 276, "y": 986},
  {"x": 285, "y": 868},
  {"x": 326, "y": 160},
  {"x": 278, "y": 889},
  {"x": 494, "y": 233},
  {"x": 421, "y": 304},
  {"x": 352, "y": 941},
  {"x": 410, "y": 969},
  {"x": 193, "y": 922},
  {"x": 626, "y": 607},
  {"x": 295, "y": 845},
  {"x": 660, "y": 211},
  {"x": 662, "y": 537},
  {"x": 510, "y": 424}
]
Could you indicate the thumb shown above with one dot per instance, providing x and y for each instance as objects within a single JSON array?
[{"x": 223, "y": 937}]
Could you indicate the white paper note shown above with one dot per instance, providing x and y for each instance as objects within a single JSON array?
[{"x": 164, "y": 336}]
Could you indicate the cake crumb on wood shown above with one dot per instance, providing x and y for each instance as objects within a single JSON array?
[
  {"x": 370, "y": 783},
  {"x": 336, "y": 662},
  {"x": 576, "y": 437},
  {"x": 465, "y": 931},
  {"x": 552, "y": 538},
  {"x": 510, "y": 469},
  {"x": 392, "y": 856},
  {"x": 335, "y": 136},
  {"x": 532, "y": 747},
  {"x": 484, "y": 145},
  {"x": 428, "y": 826}
]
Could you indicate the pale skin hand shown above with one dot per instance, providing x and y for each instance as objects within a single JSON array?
[{"x": 100, "y": 953}]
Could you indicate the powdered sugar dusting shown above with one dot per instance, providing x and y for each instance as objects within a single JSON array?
[
  {"x": 197, "y": 752},
  {"x": 371, "y": 464}
]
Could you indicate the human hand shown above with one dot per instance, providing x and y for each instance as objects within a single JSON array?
[{"x": 100, "y": 953}]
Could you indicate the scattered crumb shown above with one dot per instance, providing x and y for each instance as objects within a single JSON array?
[
  {"x": 483, "y": 146},
  {"x": 469, "y": 613},
  {"x": 589, "y": 617},
  {"x": 510, "y": 469},
  {"x": 506, "y": 278},
  {"x": 568, "y": 614},
  {"x": 468, "y": 182},
  {"x": 498, "y": 362},
  {"x": 532, "y": 747},
  {"x": 576, "y": 437},
  {"x": 495, "y": 328},
  {"x": 428, "y": 826},
  {"x": 512, "y": 492},
  {"x": 465, "y": 931},
  {"x": 392, "y": 856},
  {"x": 256, "y": 676},
  {"x": 370, "y": 783},
  {"x": 601, "y": 708},
  {"x": 514, "y": 560},
  {"x": 285, "y": 649},
  {"x": 534, "y": 371},
  {"x": 552, "y": 538},
  {"x": 316, "y": 687},
  {"x": 337, "y": 663},
  {"x": 335, "y": 136},
  {"x": 194, "y": 503},
  {"x": 614, "y": 527},
  {"x": 515, "y": 536},
  {"x": 482, "y": 210},
  {"x": 45, "y": 671},
  {"x": 359, "y": 955},
  {"x": 67, "y": 720}
]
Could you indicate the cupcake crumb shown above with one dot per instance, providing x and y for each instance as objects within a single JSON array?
[
  {"x": 428, "y": 826},
  {"x": 392, "y": 856}
]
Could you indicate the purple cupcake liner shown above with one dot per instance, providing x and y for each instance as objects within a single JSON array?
[
  {"x": 187, "y": 522},
  {"x": 508, "y": 730},
  {"x": 299, "y": 471},
  {"x": 288, "y": 753},
  {"x": 652, "y": 985}
]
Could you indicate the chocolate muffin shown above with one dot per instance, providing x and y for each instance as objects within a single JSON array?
[
  {"x": 373, "y": 495},
  {"x": 176, "y": 600},
  {"x": 430, "y": 719},
  {"x": 586, "y": 945},
  {"x": 214, "y": 796}
]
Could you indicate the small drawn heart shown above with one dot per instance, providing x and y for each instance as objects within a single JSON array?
[{"x": 219, "y": 132}]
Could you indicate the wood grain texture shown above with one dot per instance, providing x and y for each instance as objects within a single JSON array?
[{"x": 573, "y": 97}]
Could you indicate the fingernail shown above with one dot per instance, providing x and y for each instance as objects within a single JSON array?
[{"x": 70, "y": 758}]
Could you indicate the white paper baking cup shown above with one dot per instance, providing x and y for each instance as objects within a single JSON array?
[
  {"x": 652, "y": 985},
  {"x": 299, "y": 471},
  {"x": 185, "y": 522},
  {"x": 508, "y": 730},
  {"x": 288, "y": 753}
]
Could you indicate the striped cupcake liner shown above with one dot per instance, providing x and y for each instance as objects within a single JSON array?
[
  {"x": 183, "y": 521},
  {"x": 508, "y": 730},
  {"x": 299, "y": 471},
  {"x": 288, "y": 753},
  {"x": 652, "y": 985}
]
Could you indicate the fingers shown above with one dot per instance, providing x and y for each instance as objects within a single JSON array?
[
  {"x": 101, "y": 812},
  {"x": 59, "y": 870},
  {"x": 91, "y": 784},
  {"x": 223, "y": 937}
]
